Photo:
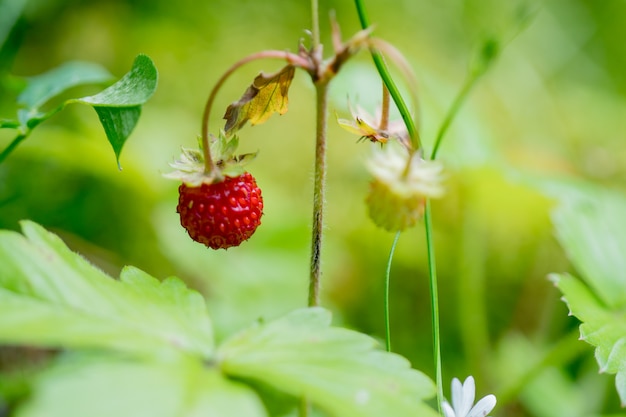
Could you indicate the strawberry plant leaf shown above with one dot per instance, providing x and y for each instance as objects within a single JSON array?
[
  {"x": 591, "y": 227},
  {"x": 119, "y": 106},
  {"x": 337, "y": 369},
  {"x": 41, "y": 88},
  {"x": 104, "y": 387},
  {"x": 118, "y": 124},
  {"x": 266, "y": 95},
  {"x": 52, "y": 297},
  {"x": 601, "y": 327},
  {"x": 133, "y": 89}
]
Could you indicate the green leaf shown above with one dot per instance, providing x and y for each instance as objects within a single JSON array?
[
  {"x": 266, "y": 95},
  {"x": 9, "y": 124},
  {"x": 134, "y": 89},
  {"x": 41, "y": 88},
  {"x": 10, "y": 12},
  {"x": 337, "y": 369},
  {"x": 118, "y": 124},
  {"x": 102, "y": 387},
  {"x": 591, "y": 227},
  {"x": 52, "y": 297},
  {"x": 119, "y": 106},
  {"x": 601, "y": 327}
]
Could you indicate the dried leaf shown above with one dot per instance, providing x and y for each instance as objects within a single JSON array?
[{"x": 266, "y": 95}]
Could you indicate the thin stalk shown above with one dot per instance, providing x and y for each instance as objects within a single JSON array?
[
  {"x": 387, "y": 280},
  {"x": 209, "y": 166},
  {"x": 470, "y": 81},
  {"x": 315, "y": 20},
  {"x": 381, "y": 66},
  {"x": 415, "y": 140},
  {"x": 318, "y": 192},
  {"x": 384, "y": 115},
  {"x": 18, "y": 139},
  {"x": 434, "y": 302}
]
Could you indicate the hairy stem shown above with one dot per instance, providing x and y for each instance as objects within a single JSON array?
[
  {"x": 209, "y": 165},
  {"x": 318, "y": 192},
  {"x": 315, "y": 21},
  {"x": 387, "y": 281}
]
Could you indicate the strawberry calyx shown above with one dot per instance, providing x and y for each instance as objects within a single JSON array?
[{"x": 192, "y": 169}]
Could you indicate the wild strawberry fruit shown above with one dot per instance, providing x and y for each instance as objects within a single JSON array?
[{"x": 221, "y": 214}]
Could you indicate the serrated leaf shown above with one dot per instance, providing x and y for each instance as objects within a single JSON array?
[
  {"x": 591, "y": 226},
  {"x": 105, "y": 387},
  {"x": 601, "y": 327},
  {"x": 266, "y": 95},
  {"x": 337, "y": 369},
  {"x": 53, "y": 297}
]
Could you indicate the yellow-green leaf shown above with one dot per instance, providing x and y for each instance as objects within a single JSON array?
[{"x": 267, "y": 94}]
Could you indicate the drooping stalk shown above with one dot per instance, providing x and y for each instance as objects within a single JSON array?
[
  {"x": 209, "y": 165},
  {"x": 319, "y": 182}
]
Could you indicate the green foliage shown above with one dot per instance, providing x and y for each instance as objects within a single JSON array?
[
  {"x": 149, "y": 346},
  {"x": 118, "y": 106},
  {"x": 267, "y": 94},
  {"x": 591, "y": 226},
  {"x": 52, "y": 297},
  {"x": 103, "y": 387},
  {"x": 333, "y": 367}
]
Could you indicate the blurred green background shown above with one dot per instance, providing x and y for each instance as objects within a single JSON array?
[{"x": 552, "y": 106}]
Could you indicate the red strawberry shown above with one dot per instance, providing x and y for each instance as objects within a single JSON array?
[{"x": 221, "y": 214}]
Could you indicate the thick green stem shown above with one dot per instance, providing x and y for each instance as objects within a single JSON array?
[
  {"x": 387, "y": 281},
  {"x": 318, "y": 192}
]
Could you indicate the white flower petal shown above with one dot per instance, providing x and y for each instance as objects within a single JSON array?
[
  {"x": 483, "y": 407},
  {"x": 447, "y": 410},
  {"x": 469, "y": 389},
  {"x": 457, "y": 396}
]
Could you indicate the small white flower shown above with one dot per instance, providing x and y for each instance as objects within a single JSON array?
[{"x": 463, "y": 399}]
